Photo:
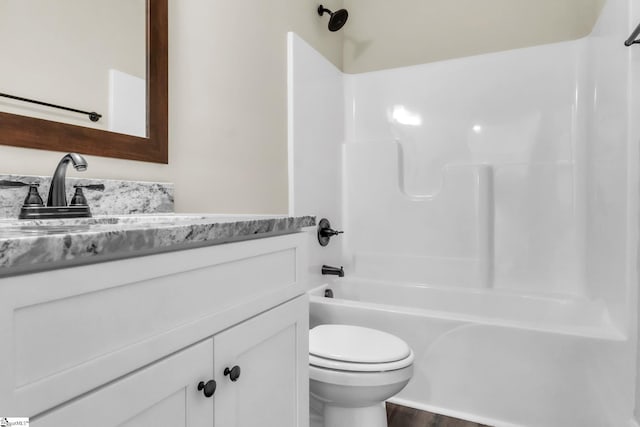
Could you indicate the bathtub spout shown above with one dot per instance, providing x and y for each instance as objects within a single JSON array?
[{"x": 327, "y": 269}]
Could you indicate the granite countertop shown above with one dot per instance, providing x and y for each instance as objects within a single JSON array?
[{"x": 30, "y": 245}]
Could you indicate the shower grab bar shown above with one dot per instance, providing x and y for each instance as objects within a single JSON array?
[
  {"x": 93, "y": 116},
  {"x": 633, "y": 38}
]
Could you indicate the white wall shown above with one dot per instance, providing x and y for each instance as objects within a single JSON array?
[
  {"x": 467, "y": 170},
  {"x": 610, "y": 158},
  {"x": 227, "y": 106},
  {"x": 633, "y": 128},
  {"x": 387, "y": 34},
  {"x": 316, "y": 129},
  {"x": 611, "y": 199}
]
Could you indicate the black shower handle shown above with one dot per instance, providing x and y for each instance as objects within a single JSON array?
[
  {"x": 325, "y": 232},
  {"x": 328, "y": 232}
]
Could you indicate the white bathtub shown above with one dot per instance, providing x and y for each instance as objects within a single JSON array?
[{"x": 484, "y": 355}]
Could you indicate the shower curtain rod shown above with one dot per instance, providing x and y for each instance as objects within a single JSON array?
[
  {"x": 93, "y": 116},
  {"x": 633, "y": 38}
]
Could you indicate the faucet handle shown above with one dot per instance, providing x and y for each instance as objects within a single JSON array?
[
  {"x": 4, "y": 183},
  {"x": 33, "y": 198},
  {"x": 78, "y": 198},
  {"x": 96, "y": 187}
]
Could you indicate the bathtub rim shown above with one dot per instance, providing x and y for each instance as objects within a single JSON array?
[{"x": 608, "y": 331}]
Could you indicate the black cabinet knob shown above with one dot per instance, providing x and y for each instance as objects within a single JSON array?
[
  {"x": 208, "y": 389},
  {"x": 234, "y": 373}
]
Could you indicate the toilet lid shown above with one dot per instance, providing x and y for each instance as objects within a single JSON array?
[
  {"x": 348, "y": 343},
  {"x": 337, "y": 365}
]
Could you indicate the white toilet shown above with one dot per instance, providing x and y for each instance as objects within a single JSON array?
[{"x": 353, "y": 370}]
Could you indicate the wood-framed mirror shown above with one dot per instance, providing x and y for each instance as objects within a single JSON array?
[{"x": 22, "y": 131}]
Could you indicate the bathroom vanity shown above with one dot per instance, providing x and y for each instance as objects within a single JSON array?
[{"x": 207, "y": 329}]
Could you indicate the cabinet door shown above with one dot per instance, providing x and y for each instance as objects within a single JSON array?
[
  {"x": 162, "y": 394},
  {"x": 271, "y": 351}
]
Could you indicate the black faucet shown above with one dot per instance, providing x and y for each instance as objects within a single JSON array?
[
  {"x": 57, "y": 190},
  {"x": 335, "y": 271},
  {"x": 57, "y": 201}
]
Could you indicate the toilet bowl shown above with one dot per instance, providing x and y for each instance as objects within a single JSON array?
[{"x": 353, "y": 370}]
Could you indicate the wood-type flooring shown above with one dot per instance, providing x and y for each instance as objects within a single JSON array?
[{"x": 402, "y": 416}]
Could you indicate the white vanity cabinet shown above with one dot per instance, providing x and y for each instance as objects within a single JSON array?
[
  {"x": 126, "y": 342},
  {"x": 162, "y": 394},
  {"x": 271, "y": 351}
]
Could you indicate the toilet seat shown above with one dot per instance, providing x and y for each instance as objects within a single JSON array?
[
  {"x": 338, "y": 365},
  {"x": 357, "y": 349}
]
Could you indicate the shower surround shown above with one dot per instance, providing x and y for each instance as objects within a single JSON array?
[{"x": 490, "y": 209}]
